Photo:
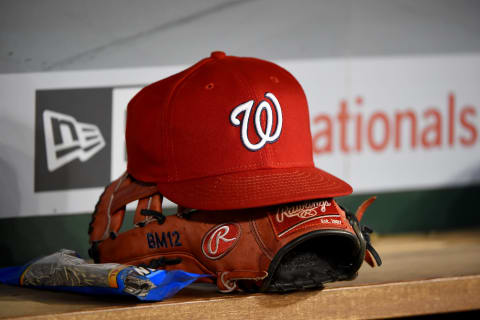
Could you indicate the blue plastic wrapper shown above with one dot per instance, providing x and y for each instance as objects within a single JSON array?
[{"x": 66, "y": 271}]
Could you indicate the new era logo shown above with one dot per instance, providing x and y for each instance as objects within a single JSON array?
[
  {"x": 72, "y": 138},
  {"x": 66, "y": 139}
]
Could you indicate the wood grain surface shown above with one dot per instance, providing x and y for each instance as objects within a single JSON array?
[{"x": 422, "y": 274}]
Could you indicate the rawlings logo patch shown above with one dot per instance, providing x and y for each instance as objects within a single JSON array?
[
  {"x": 220, "y": 240},
  {"x": 288, "y": 219},
  {"x": 302, "y": 211}
]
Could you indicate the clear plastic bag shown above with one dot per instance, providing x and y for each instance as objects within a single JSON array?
[{"x": 64, "y": 270}]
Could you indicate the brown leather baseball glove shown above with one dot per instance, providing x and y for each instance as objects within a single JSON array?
[{"x": 279, "y": 248}]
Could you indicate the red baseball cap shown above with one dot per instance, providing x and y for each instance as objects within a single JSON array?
[{"x": 227, "y": 133}]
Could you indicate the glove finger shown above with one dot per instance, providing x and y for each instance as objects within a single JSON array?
[
  {"x": 101, "y": 218},
  {"x": 365, "y": 204},
  {"x": 138, "y": 217},
  {"x": 369, "y": 259},
  {"x": 116, "y": 221}
]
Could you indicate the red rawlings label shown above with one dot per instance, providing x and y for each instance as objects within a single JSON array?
[
  {"x": 288, "y": 219},
  {"x": 219, "y": 240}
]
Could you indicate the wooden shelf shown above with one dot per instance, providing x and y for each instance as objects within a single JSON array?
[{"x": 422, "y": 274}]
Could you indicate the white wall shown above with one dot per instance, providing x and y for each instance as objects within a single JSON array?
[
  {"x": 397, "y": 55},
  {"x": 91, "y": 34}
]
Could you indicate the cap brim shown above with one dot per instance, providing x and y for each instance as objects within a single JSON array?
[{"x": 256, "y": 188}]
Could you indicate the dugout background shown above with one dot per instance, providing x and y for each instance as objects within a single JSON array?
[{"x": 49, "y": 45}]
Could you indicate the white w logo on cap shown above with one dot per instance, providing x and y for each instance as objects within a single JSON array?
[{"x": 264, "y": 135}]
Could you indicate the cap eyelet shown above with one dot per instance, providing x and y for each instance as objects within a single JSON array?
[
  {"x": 274, "y": 79},
  {"x": 210, "y": 86}
]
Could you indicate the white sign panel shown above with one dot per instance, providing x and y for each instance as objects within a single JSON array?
[
  {"x": 396, "y": 123},
  {"x": 381, "y": 124}
]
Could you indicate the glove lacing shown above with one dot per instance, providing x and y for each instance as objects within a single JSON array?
[
  {"x": 157, "y": 215},
  {"x": 365, "y": 232}
]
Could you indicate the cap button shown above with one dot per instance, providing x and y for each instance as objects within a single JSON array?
[{"x": 217, "y": 55}]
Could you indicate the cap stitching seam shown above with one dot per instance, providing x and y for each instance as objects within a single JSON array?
[{"x": 171, "y": 97}]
